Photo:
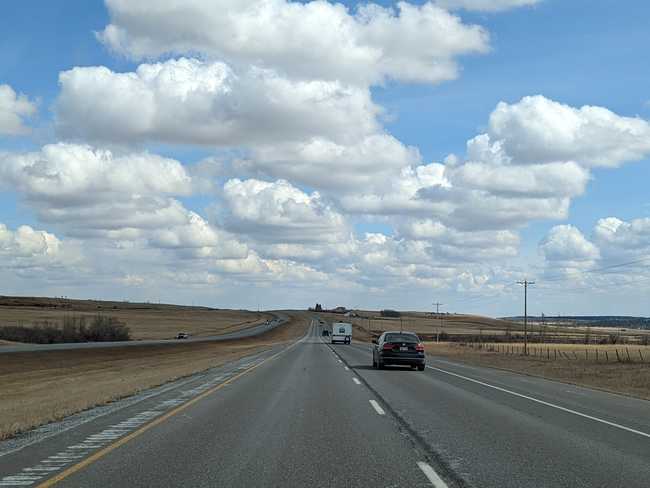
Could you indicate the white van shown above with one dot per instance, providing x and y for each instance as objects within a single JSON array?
[{"x": 341, "y": 332}]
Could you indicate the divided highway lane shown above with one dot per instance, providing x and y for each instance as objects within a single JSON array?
[
  {"x": 279, "y": 319},
  {"x": 300, "y": 418},
  {"x": 499, "y": 429}
]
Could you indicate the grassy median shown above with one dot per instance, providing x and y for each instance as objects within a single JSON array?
[{"x": 40, "y": 387}]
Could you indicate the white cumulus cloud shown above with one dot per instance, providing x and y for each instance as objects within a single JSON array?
[
  {"x": 14, "y": 109},
  {"x": 278, "y": 211},
  {"x": 315, "y": 39},
  {"x": 566, "y": 247},
  {"x": 538, "y": 130},
  {"x": 195, "y": 102}
]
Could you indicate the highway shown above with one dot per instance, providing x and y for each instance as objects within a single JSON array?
[
  {"x": 318, "y": 415},
  {"x": 279, "y": 319}
]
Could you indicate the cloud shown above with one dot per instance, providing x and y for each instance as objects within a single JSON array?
[
  {"x": 194, "y": 102},
  {"x": 485, "y": 5},
  {"x": 309, "y": 40},
  {"x": 279, "y": 212},
  {"x": 564, "y": 179},
  {"x": 26, "y": 250},
  {"x": 94, "y": 193},
  {"x": 14, "y": 109},
  {"x": 447, "y": 244},
  {"x": 539, "y": 130},
  {"x": 401, "y": 195},
  {"x": 566, "y": 247},
  {"x": 621, "y": 240},
  {"x": 72, "y": 175},
  {"x": 370, "y": 162}
]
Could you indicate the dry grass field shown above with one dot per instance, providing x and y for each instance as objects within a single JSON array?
[
  {"x": 146, "y": 320},
  {"x": 595, "y": 366},
  {"x": 631, "y": 378},
  {"x": 429, "y": 325},
  {"x": 41, "y": 387}
]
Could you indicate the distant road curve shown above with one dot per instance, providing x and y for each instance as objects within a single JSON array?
[{"x": 255, "y": 330}]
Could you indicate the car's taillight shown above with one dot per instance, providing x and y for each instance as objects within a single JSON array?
[
  {"x": 420, "y": 347},
  {"x": 387, "y": 347}
]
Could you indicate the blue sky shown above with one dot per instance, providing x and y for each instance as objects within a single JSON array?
[{"x": 572, "y": 52}]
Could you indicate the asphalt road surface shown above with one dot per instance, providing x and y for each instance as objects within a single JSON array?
[
  {"x": 279, "y": 319},
  {"x": 318, "y": 415}
]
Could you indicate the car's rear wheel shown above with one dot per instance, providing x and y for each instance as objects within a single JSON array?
[{"x": 421, "y": 367}]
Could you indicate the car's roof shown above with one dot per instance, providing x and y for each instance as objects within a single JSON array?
[{"x": 399, "y": 332}]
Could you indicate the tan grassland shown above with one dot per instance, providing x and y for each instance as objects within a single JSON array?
[
  {"x": 40, "y": 387},
  {"x": 630, "y": 377},
  {"x": 427, "y": 324},
  {"x": 146, "y": 320}
]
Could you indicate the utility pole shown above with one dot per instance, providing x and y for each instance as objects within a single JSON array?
[
  {"x": 525, "y": 283},
  {"x": 438, "y": 305}
]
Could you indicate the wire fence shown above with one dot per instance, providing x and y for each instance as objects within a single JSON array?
[{"x": 548, "y": 353}]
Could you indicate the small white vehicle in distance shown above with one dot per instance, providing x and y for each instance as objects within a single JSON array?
[{"x": 341, "y": 332}]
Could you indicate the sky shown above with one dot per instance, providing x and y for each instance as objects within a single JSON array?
[{"x": 274, "y": 154}]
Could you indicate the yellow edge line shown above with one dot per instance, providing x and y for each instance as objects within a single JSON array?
[{"x": 103, "y": 452}]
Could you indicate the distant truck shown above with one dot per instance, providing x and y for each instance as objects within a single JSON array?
[{"x": 341, "y": 332}]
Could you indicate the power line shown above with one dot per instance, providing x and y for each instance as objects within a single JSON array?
[
  {"x": 525, "y": 283},
  {"x": 438, "y": 305},
  {"x": 597, "y": 270}
]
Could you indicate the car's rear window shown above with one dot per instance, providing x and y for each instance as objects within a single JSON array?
[{"x": 401, "y": 338}]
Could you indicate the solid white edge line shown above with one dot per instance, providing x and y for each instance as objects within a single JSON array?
[
  {"x": 542, "y": 402},
  {"x": 431, "y": 475},
  {"x": 356, "y": 381},
  {"x": 377, "y": 408}
]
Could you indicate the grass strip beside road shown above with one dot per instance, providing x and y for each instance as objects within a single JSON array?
[
  {"x": 628, "y": 378},
  {"x": 41, "y": 387}
]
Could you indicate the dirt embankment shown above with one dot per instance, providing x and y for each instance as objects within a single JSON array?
[{"x": 40, "y": 387}]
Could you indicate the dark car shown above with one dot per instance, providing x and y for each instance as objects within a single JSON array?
[{"x": 394, "y": 347}]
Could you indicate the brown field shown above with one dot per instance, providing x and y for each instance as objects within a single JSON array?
[
  {"x": 40, "y": 387},
  {"x": 577, "y": 364},
  {"x": 631, "y": 378},
  {"x": 429, "y": 325},
  {"x": 146, "y": 320}
]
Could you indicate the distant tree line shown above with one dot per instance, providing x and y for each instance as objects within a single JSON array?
[{"x": 390, "y": 313}]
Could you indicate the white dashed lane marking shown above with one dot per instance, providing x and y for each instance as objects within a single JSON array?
[
  {"x": 377, "y": 408},
  {"x": 356, "y": 381},
  {"x": 431, "y": 475}
]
